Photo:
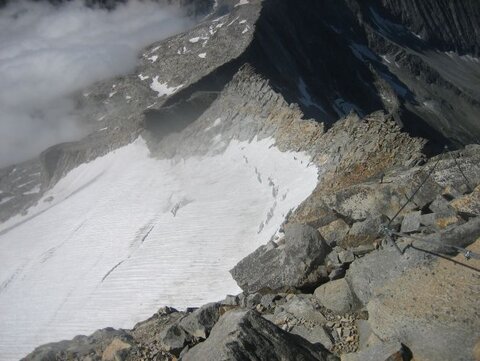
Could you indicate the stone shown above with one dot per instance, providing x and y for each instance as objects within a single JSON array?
[
  {"x": 336, "y": 296},
  {"x": 253, "y": 300},
  {"x": 173, "y": 339},
  {"x": 268, "y": 301},
  {"x": 336, "y": 273},
  {"x": 105, "y": 344},
  {"x": 363, "y": 249},
  {"x": 428, "y": 220},
  {"x": 332, "y": 259},
  {"x": 231, "y": 300},
  {"x": 366, "y": 336},
  {"x": 334, "y": 232},
  {"x": 286, "y": 266},
  {"x": 468, "y": 204},
  {"x": 346, "y": 256},
  {"x": 245, "y": 335},
  {"x": 428, "y": 304},
  {"x": 411, "y": 222},
  {"x": 364, "y": 232},
  {"x": 114, "y": 349},
  {"x": 199, "y": 323},
  {"x": 316, "y": 334},
  {"x": 370, "y": 272},
  {"x": 302, "y": 308},
  {"x": 382, "y": 351}
]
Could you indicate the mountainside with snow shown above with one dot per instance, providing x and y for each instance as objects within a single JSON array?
[{"x": 264, "y": 115}]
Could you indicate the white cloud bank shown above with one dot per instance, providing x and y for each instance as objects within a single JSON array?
[{"x": 47, "y": 53}]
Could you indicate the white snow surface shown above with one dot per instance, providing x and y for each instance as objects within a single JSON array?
[
  {"x": 126, "y": 234},
  {"x": 163, "y": 88}
]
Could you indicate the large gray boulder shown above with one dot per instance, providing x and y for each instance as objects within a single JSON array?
[
  {"x": 336, "y": 296},
  {"x": 199, "y": 323},
  {"x": 293, "y": 264},
  {"x": 245, "y": 335}
]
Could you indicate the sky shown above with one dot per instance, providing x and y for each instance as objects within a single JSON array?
[{"x": 48, "y": 53}]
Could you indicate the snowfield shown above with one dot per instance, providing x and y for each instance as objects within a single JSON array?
[{"x": 125, "y": 234}]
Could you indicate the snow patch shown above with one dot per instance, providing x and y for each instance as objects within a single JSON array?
[
  {"x": 242, "y": 2},
  {"x": 126, "y": 234},
  {"x": 143, "y": 77},
  {"x": 306, "y": 98},
  {"x": 202, "y": 55},
  {"x": 153, "y": 58},
  {"x": 163, "y": 88},
  {"x": 34, "y": 190},
  {"x": 5, "y": 200}
]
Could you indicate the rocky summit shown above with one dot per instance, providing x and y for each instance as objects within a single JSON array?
[{"x": 353, "y": 129}]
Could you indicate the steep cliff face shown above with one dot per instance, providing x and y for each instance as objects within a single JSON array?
[
  {"x": 334, "y": 57},
  {"x": 445, "y": 25}
]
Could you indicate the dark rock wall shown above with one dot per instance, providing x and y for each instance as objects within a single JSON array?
[{"x": 447, "y": 25}]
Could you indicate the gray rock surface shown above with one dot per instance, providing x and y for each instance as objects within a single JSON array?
[
  {"x": 200, "y": 322},
  {"x": 336, "y": 296},
  {"x": 290, "y": 265},
  {"x": 245, "y": 335}
]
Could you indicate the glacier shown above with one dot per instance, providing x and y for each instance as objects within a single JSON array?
[{"x": 119, "y": 237}]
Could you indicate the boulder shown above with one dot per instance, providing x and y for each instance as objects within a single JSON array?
[
  {"x": 336, "y": 296},
  {"x": 411, "y": 222},
  {"x": 245, "y": 335},
  {"x": 334, "y": 232},
  {"x": 114, "y": 351},
  {"x": 290, "y": 265},
  {"x": 301, "y": 308},
  {"x": 468, "y": 204},
  {"x": 382, "y": 351},
  {"x": 313, "y": 334},
  {"x": 373, "y": 270},
  {"x": 103, "y": 344},
  {"x": 174, "y": 338},
  {"x": 364, "y": 232},
  {"x": 428, "y": 305},
  {"x": 199, "y": 323}
]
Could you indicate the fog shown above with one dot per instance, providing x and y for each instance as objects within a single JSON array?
[{"x": 48, "y": 52}]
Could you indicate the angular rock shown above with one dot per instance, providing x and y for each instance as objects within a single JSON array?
[
  {"x": 107, "y": 340},
  {"x": 368, "y": 273},
  {"x": 346, "y": 256},
  {"x": 336, "y": 296},
  {"x": 428, "y": 305},
  {"x": 231, "y": 300},
  {"x": 199, "y": 323},
  {"x": 334, "y": 232},
  {"x": 364, "y": 232},
  {"x": 336, "y": 273},
  {"x": 173, "y": 339},
  {"x": 245, "y": 335},
  {"x": 411, "y": 222},
  {"x": 388, "y": 351},
  {"x": 315, "y": 334},
  {"x": 268, "y": 301},
  {"x": 468, "y": 204},
  {"x": 303, "y": 308},
  {"x": 287, "y": 266},
  {"x": 114, "y": 350}
]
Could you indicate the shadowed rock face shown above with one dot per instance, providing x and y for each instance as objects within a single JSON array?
[
  {"x": 447, "y": 25},
  {"x": 332, "y": 57}
]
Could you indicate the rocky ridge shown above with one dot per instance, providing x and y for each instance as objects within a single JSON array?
[{"x": 347, "y": 293}]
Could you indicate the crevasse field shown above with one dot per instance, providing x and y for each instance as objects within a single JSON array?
[{"x": 125, "y": 234}]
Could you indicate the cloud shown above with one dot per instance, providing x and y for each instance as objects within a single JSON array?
[{"x": 49, "y": 52}]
